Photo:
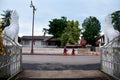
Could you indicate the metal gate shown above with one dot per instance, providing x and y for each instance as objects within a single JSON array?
[
  {"x": 110, "y": 58},
  {"x": 10, "y": 58}
]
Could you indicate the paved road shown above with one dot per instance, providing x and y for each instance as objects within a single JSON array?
[
  {"x": 52, "y": 62},
  {"x": 51, "y": 67},
  {"x": 60, "y": 59}
]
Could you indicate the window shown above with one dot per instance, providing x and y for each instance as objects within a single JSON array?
[{"x": 26, "y": 42}]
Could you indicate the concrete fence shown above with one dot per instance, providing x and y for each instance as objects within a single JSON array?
[{"x": 59, "y": 51}]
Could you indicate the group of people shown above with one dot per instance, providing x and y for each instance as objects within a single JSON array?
[
  {"x": 93, "y": 46},
  {"x": 83, "y": 44},
  {"x": 65, "y": 52}
]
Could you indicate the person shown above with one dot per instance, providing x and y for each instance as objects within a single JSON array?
[
  {"x": 73, "y": 52},
  {"x": 93, "y": 47},
  {"x": 65, "y": 51},
  {"x": 83, "y": 43},
  {"x": 97, "y": 43}
]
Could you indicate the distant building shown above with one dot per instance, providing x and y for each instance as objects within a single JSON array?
[
  {"x": 102, "y": 40},
  {"x": 39, "y": 41}
]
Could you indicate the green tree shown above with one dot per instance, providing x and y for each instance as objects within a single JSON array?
[
  {"x": 6, "y": 18},
  {"x": 56, "y": 26},
  {"x": 116, "y": 20},
  {"x": 71, "y": 33},
  {"x": 91, "y": 30}
]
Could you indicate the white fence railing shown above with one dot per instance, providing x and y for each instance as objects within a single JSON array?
[
  {"x": 10, "y": 59},
  {"x": 110, "y": 58}
]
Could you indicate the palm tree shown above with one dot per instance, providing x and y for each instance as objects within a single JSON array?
[
  {"x": 45, "y": 31},
  {"x": 6, "y": 18}
]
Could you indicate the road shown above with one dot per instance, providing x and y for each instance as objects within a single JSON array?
[
  {"x": 54, "y": 62},
  {"x": 54, "y": 67}
]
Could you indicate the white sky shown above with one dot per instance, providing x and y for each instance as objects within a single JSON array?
[{"x": 50, "y": 9}]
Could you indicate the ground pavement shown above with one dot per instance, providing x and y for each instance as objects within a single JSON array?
[
  {"x": 65, "y": 74},
  {"x": 57, "y": 67}
]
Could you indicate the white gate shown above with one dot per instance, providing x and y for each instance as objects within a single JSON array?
[
  {"x": 10, "y": 59},
  {"x": 110, "y": 58}
]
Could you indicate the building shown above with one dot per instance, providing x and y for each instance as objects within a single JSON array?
[
  {"x": 40, "y": 41},
  {"x": 102, "y": 40}
]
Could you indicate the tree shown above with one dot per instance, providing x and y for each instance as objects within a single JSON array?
[
  {"x": 45, "y": 31},
  {"x": 71, "y": 33},
  {"x": 91, "y": 30},
  {"x": 57, "y": 26},
  {"x": 116, "y": 20},
  {"x": 6, "y": 18}
]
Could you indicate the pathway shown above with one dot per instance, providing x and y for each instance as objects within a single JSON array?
[{"x": 58, "y": 67}]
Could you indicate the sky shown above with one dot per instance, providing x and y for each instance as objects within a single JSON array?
[{"x": 51, "y": 9}]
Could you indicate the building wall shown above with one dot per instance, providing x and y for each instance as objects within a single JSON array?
[
  {"x": 36, "y": 44},
  {"x": 26, "y": 43}
]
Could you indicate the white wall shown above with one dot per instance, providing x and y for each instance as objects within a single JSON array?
[{"x": 37, "y": 43}]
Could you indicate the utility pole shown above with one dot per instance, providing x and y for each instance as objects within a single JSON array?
[{"x": 34, "y": 9}]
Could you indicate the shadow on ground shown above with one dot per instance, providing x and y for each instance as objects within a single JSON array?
[
  {"x": 62, "y": 79},
  {"x": 57, "y": 71},
  {"x": 58, "y": 66}
]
